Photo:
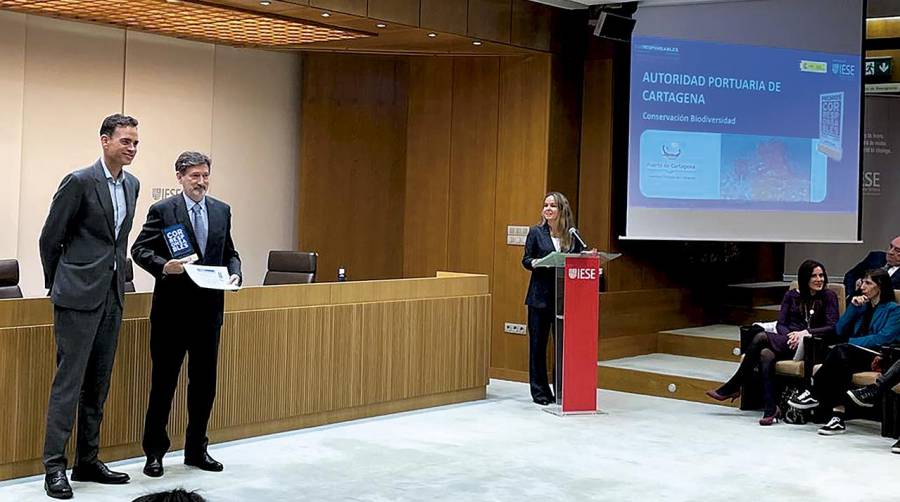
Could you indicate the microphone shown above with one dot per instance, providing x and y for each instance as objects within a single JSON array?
[{"x": 574, "y": 232}]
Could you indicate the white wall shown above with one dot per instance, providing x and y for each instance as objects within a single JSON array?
[{"x": 58, "y": 79}]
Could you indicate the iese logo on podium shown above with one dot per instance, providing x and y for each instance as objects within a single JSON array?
[{"x": 583, "y": 273}]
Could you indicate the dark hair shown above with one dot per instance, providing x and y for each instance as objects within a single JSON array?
[
  {"x": 111, "y": 123},
  {"x": 191, "y": 159},
  {"x": 177, "y": 495},
  {"x": 883, "y": 280},
  {"x": 804, "y": 274}
]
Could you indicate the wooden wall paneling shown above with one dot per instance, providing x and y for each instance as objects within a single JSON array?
[
  {"x": 531, "y": 24},
  {"x": 353, "y": 154},
  {"x": 427, "y": 166},
  {"x": 473, "y": 165},
  {"x": 595, "y": 175},
  {"x": 522, "y": 152},
  {"x": 279, "y": 369},
  {"x": 490, "y": 19},
  {"x": 450, "y": 16},
  {"x": 356, "y": 7},
  {"x": 565, "y": 132},
  {"x": 397, "y": 11},
  {"x": 640, "y": 312}
]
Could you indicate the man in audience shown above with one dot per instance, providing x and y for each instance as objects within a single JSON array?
[
  {"x": 184, "y": 318},
  {"x": 889, "y": 261},
  {"x": 83, "y": 246}
]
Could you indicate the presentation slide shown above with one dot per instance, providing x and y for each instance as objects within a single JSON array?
[{"x": 740, "y": 127}]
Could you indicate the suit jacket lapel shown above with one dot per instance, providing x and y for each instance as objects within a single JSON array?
[
  {"x": 181, "y": 216},
  {"x": 213, "y": 222},
  {"x": 548, "y": 242},
  {"x": 130, "y": 198},
  {"x": 102, "y": 188}
]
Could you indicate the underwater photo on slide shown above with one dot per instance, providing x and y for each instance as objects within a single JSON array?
[{"x": 769, "y": 168}]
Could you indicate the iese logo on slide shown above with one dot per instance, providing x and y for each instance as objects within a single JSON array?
[{"x": 583, "y": 273}]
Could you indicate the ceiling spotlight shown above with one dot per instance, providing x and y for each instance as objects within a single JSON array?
[
  {"x": 265, "y": 3},
  {"x": 326, "y": 14},
  {"x": 432, "y": 34},
  {"x": 476, "y": 42},
  {"x": 381, "y": 25}
]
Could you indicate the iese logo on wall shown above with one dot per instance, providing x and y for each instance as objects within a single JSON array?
[
  {"x": 589, "y": 274},
  {"x": 159, "y": 193}
]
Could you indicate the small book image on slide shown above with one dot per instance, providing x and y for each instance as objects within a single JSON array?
[{"x": 831, "y": 121}]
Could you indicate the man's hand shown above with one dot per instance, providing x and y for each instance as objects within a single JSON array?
[
  {"x": 858, "y": 285},
  {"x": 234, "y": 280},
  {"x": 173, "y": 267}
]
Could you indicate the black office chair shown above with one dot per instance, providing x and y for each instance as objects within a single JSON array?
[
  {"x": 9, "y": 279},
  {"x": 291, "y": 267},
  {"x": 129, "y": 276}
]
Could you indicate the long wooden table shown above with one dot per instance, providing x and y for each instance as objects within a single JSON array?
[{"x": 290, "y": 357}]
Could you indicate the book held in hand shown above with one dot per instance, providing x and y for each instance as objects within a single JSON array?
[{"x": 176, "y": 238}]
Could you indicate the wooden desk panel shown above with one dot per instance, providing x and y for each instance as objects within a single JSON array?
[{"x": 290, "y": 357}]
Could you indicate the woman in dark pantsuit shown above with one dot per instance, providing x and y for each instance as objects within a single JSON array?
[{"x": 552, "y": 234}]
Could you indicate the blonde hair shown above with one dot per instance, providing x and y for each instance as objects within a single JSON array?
[{"x": 566, "y": 220}]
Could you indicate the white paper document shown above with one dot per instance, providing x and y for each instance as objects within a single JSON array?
[{"x": 210, "y": 277}]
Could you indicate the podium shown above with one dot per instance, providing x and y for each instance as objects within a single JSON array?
[{"x": 575, "y": 329}]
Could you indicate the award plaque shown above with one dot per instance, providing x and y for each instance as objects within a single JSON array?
[{"x": 176, "y": 238}]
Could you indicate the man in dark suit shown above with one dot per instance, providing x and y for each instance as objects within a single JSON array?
[
  {"x": 184, "y": 318},
  {"x": 83, "y": 248},
  {"x": 889, "y": 261}
]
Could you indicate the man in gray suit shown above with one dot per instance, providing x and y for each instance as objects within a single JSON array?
[{"x": 83, "y": 248}]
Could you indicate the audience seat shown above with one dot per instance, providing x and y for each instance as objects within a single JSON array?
[
  {"x": 797, "y": 369},
  {"x": 9, "y": 279},
  {"x": 291, "y": 267}
]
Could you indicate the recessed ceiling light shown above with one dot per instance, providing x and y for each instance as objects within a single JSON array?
[
  {"x": 381, "y": 25},
  {"x": 476, "y": 42},
  {"x": 265, "y": 3},
  {"x": 432, "y": 34},
  {"x": 326, "y": 14}
]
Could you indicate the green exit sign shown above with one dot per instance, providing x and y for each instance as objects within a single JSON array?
[{"x": 879, "y": 69}]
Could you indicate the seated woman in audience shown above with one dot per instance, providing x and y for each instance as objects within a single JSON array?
[
  {"x": 811, "y": 309},
  {"x": 870, "y": 321}
]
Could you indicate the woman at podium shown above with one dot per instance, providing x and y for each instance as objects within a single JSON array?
[
  {"x": 551, "y": 234},
  {"x": 811, "y": 309}
]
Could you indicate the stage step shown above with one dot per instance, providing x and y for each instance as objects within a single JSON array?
[
  {"x": 740, "y": 315},
  {"x": 666, "y": 375},
  {"x": 755, "y": 294},
  {"x": 718, "y": 341}
]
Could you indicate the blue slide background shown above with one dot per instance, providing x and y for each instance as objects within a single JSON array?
[{"x": 786, "y": 122}]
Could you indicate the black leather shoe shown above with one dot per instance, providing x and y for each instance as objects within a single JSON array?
[
  {"x": 204, "y": 462},
  {"x": 543, "y": 401},
  {"x": 57, "y": 486},
  {"x": 97, "y": 472},
  {"x": 154, "y": 466}
]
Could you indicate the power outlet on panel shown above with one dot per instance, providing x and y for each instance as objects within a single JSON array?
[{"x": 513, "y": 328}]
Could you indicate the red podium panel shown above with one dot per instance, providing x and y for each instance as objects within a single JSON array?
[{"x": 580, "y": 330}]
